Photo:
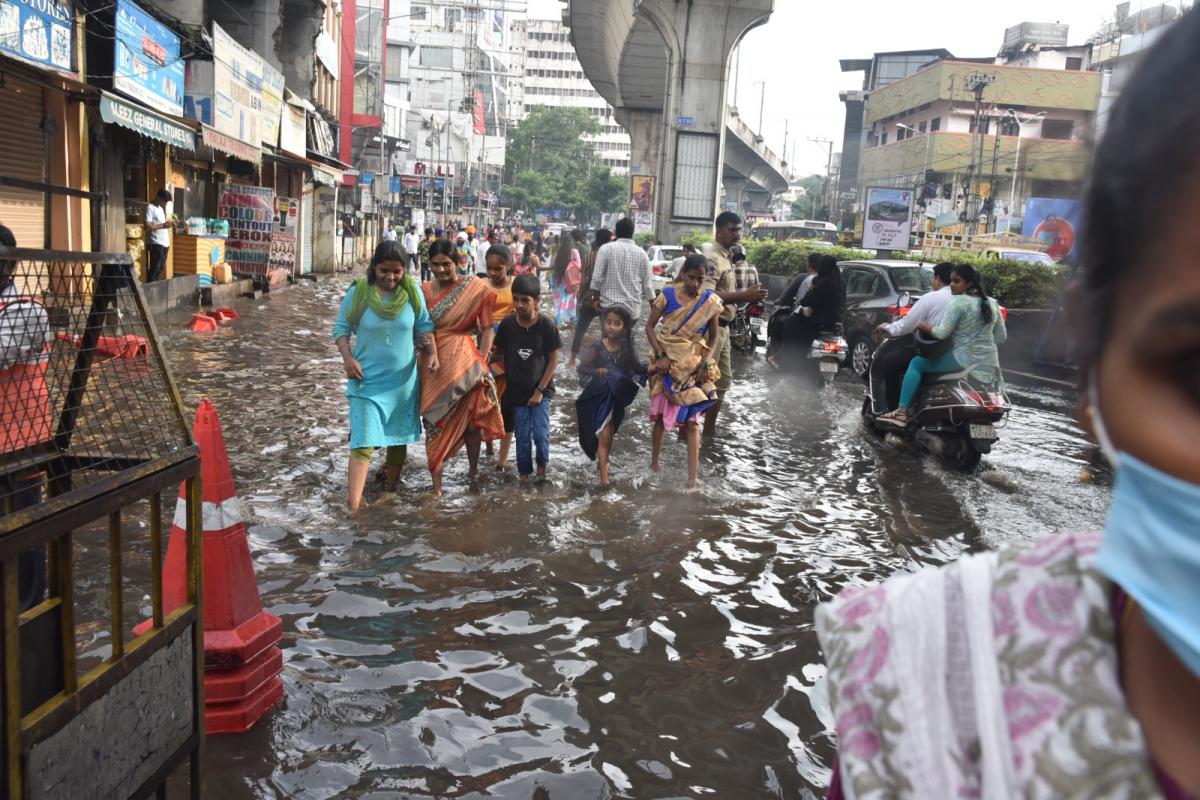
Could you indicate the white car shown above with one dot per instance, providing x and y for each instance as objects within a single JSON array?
[{"x": 661, "y": 256}]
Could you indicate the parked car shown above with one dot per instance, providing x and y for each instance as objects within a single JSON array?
[
  {"x": 661, "y": 257},
  {"x": 873, "y": 292}
]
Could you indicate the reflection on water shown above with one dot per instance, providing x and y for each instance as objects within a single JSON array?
[{"x": 557, "y": 641}]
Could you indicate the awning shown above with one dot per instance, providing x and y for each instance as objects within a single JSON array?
[
  {"x": 326, "y": 176},
  {"x": 234, "y": 147},
  {"x": 322, "y": 173},
  {"x": 142, "y": 120}
]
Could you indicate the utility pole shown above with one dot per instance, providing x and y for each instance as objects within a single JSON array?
[
  {"x": 976, "y": 82},
  {"x": 786, "y": 122},
  {"x": 991, "y": 224},
  {"x": 828, "y": 169}
]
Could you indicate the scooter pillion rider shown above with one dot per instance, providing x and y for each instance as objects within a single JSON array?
[
  {"x": 821, "y": 308},
  {"x": 929, "y": 308}
]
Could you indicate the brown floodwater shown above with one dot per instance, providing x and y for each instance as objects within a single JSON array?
[{"x": 559, "y": 641}]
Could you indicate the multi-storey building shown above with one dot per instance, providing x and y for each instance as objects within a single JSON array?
[
  {"x": 921, "y": 132},
  {"x": 552, "y": 77},
  {"x": 458, "y": 82}
]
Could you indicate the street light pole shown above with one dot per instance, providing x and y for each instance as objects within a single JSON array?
[
  {"x": 762, "y": 103},
  {"x": 1012, "y": 192}
]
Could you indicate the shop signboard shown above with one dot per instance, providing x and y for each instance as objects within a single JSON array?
[
  {"x": 272, "y": 104},
  {"x": 292, "y": 130},
  {"x": 114, "y": 110},
  {"x": 237, "y": 88},
  {"x": 41, "y": 31},
  {"x": 889, "y": 219},
  {"x": 147, "y": 65},
  {"x": 251, "y": 214},
  {"x": 643, "y": 222}
]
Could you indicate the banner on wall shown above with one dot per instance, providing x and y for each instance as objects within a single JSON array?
[
  {"x": 889, "y": 219},
  {"x": 292, "y": 130},
  {"x": 272, "y": 103},
  {"x": 641, "y": 193},
  {"x": 251, "y": 214},
  {"x": 237, "y": 88},
  {"x": 147, "y": 65},
  {"x": 1054, "y": 223}
]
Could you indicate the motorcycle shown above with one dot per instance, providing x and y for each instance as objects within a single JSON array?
[
  {"x": 746, "y": 329},
  {"x": 827, "y": 353},
  {"x": 955, "y": 416}
]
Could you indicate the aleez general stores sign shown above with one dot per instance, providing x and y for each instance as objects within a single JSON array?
[{"x": 113, "y": 110}]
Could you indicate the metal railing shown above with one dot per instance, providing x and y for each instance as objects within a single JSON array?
[{"x": 93, "y": 432}]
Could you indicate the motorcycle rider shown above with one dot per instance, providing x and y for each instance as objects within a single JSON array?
[
  {"x": 821, "y": 308},
  {"x": 930, "y": 307}
]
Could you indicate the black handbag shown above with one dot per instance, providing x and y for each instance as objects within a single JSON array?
[{"x": 930, "y": 346}]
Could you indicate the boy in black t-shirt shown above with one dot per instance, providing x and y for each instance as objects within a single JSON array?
[{"x": 529, "y": 344}]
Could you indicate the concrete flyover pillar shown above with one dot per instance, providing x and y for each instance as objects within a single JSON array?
[
  {"x": 645, "y": 141},
  {"x": 700, "y": 37}
]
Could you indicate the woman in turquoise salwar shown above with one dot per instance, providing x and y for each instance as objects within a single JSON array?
[
  {"x": 385, "y": 313},
  {"x": 976, "y": 324}
]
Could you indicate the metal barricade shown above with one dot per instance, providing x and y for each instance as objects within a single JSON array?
[{"x": 92, "y": 432}]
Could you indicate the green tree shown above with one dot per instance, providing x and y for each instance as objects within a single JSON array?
[
  {"x": 548, "y": 162},
  {"x": 809, "y": 205},
  {"x": 601, "y": 193}
]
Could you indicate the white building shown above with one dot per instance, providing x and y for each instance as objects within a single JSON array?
[
  {"x": 551, "y": 77},
  {"x": 457, "y": 81}
]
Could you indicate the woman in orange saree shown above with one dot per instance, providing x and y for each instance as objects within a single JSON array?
[{"x": 458, "y": 402}]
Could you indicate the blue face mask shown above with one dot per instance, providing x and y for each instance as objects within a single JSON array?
[{"x": 1151, "y": 546}]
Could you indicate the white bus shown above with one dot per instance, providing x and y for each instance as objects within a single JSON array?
[{"x": 809, "y": 229}]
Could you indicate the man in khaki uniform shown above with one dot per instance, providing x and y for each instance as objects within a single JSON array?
[{"x": 721, "y": 279}]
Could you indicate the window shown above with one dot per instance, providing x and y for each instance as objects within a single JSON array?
[
  {"x": 437, "y": 56},
  {"x": 395, "y": 63},
  {"x": 1057, "y": 128},
  {"x": 1075, "y": 63},
  {"x": 418, "y": 12},
  {"x": 987, "y": 124},
  {"x": 921, "y": 127},
  {"x": 860, "y": 282},
  {"x": 883, "y": 139},
  {"x": 935, "y": 124}
]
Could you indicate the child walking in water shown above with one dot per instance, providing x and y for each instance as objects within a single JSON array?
[
  {"x": 499, "y": 265},
  {"x": 529, "y": 344},
  {"x": 610, "y": 373}
]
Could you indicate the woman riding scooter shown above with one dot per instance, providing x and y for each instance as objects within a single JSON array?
[
  {"x": 974, "y": 321},
  {"x": 821, "y": 308}
]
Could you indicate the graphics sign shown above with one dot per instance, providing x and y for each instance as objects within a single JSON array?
[
  {"x": 889, "y": 219},
  {"x": 147, "y": 65}
]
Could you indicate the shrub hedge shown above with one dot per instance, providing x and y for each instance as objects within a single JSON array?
[{"x": 1016, "y": 284}]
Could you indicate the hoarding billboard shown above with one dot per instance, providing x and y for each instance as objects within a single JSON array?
[
  {"x": 888, "y": 220},
  {"x": 147, "y": 63}
]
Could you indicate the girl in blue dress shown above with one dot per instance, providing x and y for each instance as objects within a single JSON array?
[{"x": 385, "y": 313}]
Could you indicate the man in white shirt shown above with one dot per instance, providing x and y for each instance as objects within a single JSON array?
[
  {"x": 159, "y": 240},
  {"x": 930, "y": 307},
  {"x": 389, "y": 234},
  {"x": 622, "y": 274},
  {"x": 412, "y": 246},
  {"x": 481, "y": 249}
]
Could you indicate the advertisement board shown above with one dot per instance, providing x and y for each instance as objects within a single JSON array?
[
  {"x": 1054, "y": 223},
  {"x": 147, "y": 65},
  {"x": 888, "y": 220},
  {"x": 40, "y": 31},
  {"x": 641, "y": 192},
  {"x": 251, "y": 214},
  {"x": 272, "y": 104},
  {"x": 237, "y": 88}
]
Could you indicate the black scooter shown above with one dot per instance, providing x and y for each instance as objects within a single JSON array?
[
  {"x": 955, "y": 416},
  {"x": 826, "y": 355}
]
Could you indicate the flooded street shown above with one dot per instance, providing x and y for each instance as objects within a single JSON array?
[{"x": 557, "y": 641}]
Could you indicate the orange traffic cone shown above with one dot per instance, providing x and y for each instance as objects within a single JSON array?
[{"x": 242, "y": 661}]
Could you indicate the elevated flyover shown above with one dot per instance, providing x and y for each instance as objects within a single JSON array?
[{"x": 664, "y": 67}]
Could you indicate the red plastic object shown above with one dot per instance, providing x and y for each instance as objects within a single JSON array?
[
  {"x": 128, "y": 346},
  {"x": 227, "y": 313},
  {"x": 202, "y": 323},
  {"x": 241, "y": 659}
]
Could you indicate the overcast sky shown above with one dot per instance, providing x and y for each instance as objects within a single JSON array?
[{"x": 796, "y": 53}]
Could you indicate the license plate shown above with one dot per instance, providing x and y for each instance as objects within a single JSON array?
[
  {"x": 831, "y": 366},
  {"x": 983, "y": 432}
]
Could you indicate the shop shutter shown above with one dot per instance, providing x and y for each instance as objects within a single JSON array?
[
  {"x": 22, "y": 155},
  {"x": 308, "y": 204}
]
